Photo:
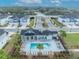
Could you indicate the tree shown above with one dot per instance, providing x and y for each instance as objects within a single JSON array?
[
  {"x": 40, "y": 46},
  {"x": 3, "y": 55},
  {"x": 17, "y": 45},
  {"x": 63, "y": 33}
]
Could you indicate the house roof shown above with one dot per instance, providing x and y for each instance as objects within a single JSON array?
[
  {"x": 1, "y": 32},
  {"x": 47, "y": 32},
  {"x": 2, "y": 16},
  {"x": 37, "y": 32},
  {"x": 30, "y": 32}
]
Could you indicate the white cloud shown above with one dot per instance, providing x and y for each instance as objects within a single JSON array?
[
  {"x": 30, "y": 1},
  {"x": 18, "y": 4},
  {"x": 55, "y": 1}
]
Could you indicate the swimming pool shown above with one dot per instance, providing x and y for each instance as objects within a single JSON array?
[{"x": 34, "y": 45}]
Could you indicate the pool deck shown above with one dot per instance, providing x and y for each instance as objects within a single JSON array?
[{"x": 55, "y": 46}]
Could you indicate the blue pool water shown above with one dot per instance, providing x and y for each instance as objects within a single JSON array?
[{"x": 34, "y": 45}]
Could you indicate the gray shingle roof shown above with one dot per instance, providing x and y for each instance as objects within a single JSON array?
[
  {"x": 37, "y": 32},
  {"x": 47, "y": 32}
]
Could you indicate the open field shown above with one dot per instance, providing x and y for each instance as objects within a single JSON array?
[{"x": 72, "y": 40}]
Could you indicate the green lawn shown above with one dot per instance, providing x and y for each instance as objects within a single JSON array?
[
  {"x": 45, "y": 24},
  {"x": 14, "y": 38},
  {"x": 31, "y": 23},
  {"x": 56, "y": 22},
  {"x": 72, "y": 40}
]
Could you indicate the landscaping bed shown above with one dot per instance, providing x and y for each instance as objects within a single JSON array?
[
  {"x": 31, "y": 23},
  {"x": 44, "y": 24},
  {"x": 56, "y": 22}
]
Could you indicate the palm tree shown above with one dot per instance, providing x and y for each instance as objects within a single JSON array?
[
  {"x": 17, "y": 42},
  {"x": 63, "y": 33},
  {"x": 40, "y": 47}
]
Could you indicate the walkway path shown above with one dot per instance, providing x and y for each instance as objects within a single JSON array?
[{"x": 74, "y": 50}]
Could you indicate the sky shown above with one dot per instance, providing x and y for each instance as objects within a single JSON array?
[{"x": 43, "y": 3}]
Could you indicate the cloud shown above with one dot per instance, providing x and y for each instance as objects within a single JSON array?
[
  {"x": 30, "y": 1},
  {"x": 56, "y": 2},
  {"x": 18, "y": 4}
]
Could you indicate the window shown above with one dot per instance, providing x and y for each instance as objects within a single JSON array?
[
  {"x": 31, "y": 37},
  {"x": 45, "y": 37},
  {"x": 54, "y": 38},
  {"x": 27, "y": 38},
  {"x": 35, "y": 37}
]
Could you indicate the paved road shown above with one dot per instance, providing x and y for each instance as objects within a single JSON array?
[{"x": 38, "y": 23}]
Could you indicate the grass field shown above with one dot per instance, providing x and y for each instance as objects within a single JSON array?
[
  {"x": 72, "y": 40},
  {"x": 31, "y": 23},
  {"x": 9, "y": 47},
  {"x": 11, "y": 43},
  {"x": 56, "y": 22}
]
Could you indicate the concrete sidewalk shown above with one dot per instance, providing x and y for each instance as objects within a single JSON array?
[{"x": 74, "y": 50}]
